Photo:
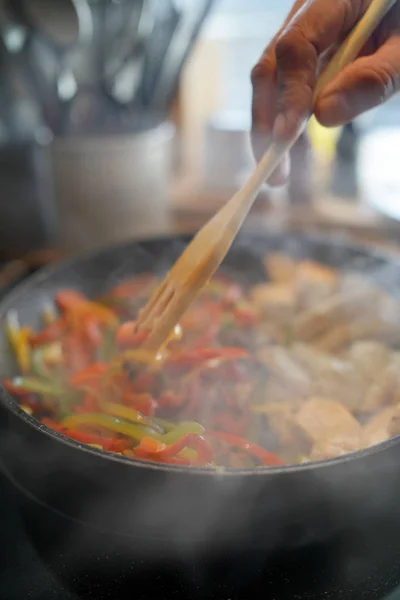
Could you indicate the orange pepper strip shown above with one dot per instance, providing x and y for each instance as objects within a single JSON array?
[{"x": 72, "y": 300}]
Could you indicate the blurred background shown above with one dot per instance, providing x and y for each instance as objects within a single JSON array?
[{"x": 130, "y": 118}]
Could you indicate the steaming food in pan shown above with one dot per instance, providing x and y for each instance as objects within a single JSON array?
[{"x": 305, "y": 366}]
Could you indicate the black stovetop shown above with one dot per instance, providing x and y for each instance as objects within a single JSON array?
[{"x": 23, "y": 576}]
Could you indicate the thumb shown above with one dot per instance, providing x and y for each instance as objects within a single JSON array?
[{"x": 366, "y": 83}]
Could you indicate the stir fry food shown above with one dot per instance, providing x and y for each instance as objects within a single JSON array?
[{"x": 303, "y": 367}]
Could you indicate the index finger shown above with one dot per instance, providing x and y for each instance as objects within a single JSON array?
[
  {"x": 313, "y": 30},
  {"x": 264, "y": 84},
  {"x": 264, "y": 102}
]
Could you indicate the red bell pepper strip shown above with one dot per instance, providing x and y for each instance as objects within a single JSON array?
[
  {"x": 197, "y": 357},
  {"x": 130, "y": 287},
  {"x": 74, "y": 301},
  {"x": 127, "y": 337},
  {"x": 77, "y": 354},
  {"x": 264, "y": 456},
  {"x": 15, "y": 390},
  {"x": 149, "y": 447},
  {"x": 169, "y": 399},
  {"x": 141, "y": 402},
  {"x": 88, "y": 375},
  {"x": 51, "y": 333},
  {"x": 90, "y": 403},
  {"x": 92, "y": 332}
]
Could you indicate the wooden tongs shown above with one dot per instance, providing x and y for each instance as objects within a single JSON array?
[{"x": 208, "y": 248}]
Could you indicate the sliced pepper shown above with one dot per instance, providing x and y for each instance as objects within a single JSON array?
[
  {"x": 264, "y": 456},
  {"x": 74, "y": 301},
  {"x": 106, "y": 443},
  {"x": 127, "y": 336},
  {"x": 144, "y": 403},
  {"x": 39, "y": 386},
  {"x": 205, "y": 451},
  {"x": 15, "y": 390},
  {"x": 88, "y": 375},
  {"x": 134, "y": 431},
  {"x": 196, "y": 357},
  {"x": 19, "y": 337},
  {"x": 128, "y": 414}
]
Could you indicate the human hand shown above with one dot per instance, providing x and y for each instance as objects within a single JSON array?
[{"x": 284, "y": 78}]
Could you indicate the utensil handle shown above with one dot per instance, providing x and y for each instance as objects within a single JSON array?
[{"x": 348, "y": 51}]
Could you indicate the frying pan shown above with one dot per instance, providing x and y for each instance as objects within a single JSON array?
[{"x": 115, "y": 528}]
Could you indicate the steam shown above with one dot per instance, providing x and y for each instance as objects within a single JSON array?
[{"x": 186, "y": 515}]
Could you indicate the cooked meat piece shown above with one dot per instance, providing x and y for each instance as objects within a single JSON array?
[
  {"x": 378, "y": 428},
  {"x": 385, "y": 386},
  {"x": 369, "y": 358},
  {"x": 270, "y": 332},
  {"x": 274, "y": 301},
  {"x": 290, "y": 434},
  {"x": 331, "y": 377},
  {"x": 336, "y": 340},
  {"x": 329, "y": 421},
  {"x": 286, "y": 370},
  {"x": 332, "y": 312},
  {"x": 395, "y": 363},
  {"x": 381, "y": 306},
  {"x": 314, "y": 283},
  {"x": 381, "y": 390},
  {"x": 325, "y": 449},
  {"x": 394, "y": 425},
  {"x": 277, "y": 391},
  {"x": 315, "y": 272},
  {"x": 280, "y": 267},
  {"x": 360, "y": 304},
  {"x": 281, "y": 406}
]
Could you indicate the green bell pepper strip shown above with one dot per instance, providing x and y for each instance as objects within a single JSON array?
[
  {"x": 39, "y": 386},
  {"x": 134, "y": 431}
]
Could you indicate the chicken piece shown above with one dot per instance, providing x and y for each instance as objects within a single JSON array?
[
  {"x": 378, "y": 428},
  {"x": 334, "y": 312},
  {"x": 336, "y": 339},
  {"x": 280, "y": 267},
  {"x": 385, "y": 386},
  {"x": 394, "y": 425},
  {"x": 380, "y": 391},
  {"x": 323, "y": 450},
  {"x": 276, "y": 391},
  {"x": 291, "y": 437},
  {"x": 274, "y": 301},
  {"x": 332, "y": 377},
  {"x": 277, "y": 407},
  {"x": 378, "y": 305},
  {"x": 314, "y": 283},
  {"x": 369, "y": 358},
  {"x": 286, "y": 370},
  {"x": 329, "y": 422},
  {"x": 395, "y": 365}
]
